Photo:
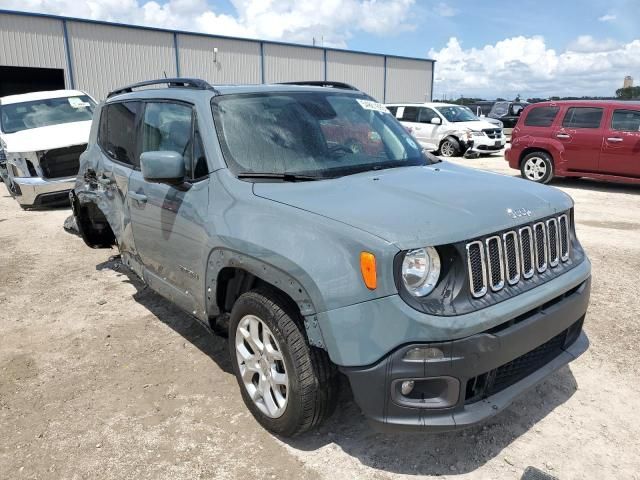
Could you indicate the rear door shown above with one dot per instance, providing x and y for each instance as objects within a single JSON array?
[
  {"x": 580, "y": 133},
  {"x": 621, "y": 146},
  {"x": 117, "y": 141},
  {"x": 409, "y": 118},
  {"x": 169, "y": 220}
]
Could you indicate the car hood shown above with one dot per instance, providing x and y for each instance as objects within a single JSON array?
[
  {"x": 419, "y": 206},
  {"x": 46, "y": 138},
  {"x": 476, "y": 125}
]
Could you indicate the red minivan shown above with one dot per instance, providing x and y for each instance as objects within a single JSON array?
[{"x": 583, "y": 138}]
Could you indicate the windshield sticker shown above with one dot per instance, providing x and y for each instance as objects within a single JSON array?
[
  {"x": 370, "y": 105},
  {"x": 76, "y": 102}
]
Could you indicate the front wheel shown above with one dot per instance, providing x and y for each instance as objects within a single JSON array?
[
  {"x": 537, "y": 167},
  {"x": 289, "y": 386},
  {"x": 450, "y": 147}
]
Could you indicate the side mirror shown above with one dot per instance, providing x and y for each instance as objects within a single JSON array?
[
  {"x": 162, "y": 167},
  {"x": 436, "y": 121}
]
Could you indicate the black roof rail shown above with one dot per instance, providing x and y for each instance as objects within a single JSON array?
[
  {"x": 321, "y": 83},
  {"x": 195, "y": 83}
]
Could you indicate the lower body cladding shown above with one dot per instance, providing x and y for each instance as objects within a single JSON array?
[
  {"x": 455, "y": 384},
  {"x": 37, "y": 191}
]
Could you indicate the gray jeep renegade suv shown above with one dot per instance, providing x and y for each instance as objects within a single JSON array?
[{"x": 307, "y": 223}]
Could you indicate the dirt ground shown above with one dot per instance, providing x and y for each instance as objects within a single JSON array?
[{"x": 102, "y": 378}]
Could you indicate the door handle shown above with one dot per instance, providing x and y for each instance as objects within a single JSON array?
[
  {"x": 614, "y": 139},
  {"x": 563, "y": 135},
  {"x": 138, "y": 197}
]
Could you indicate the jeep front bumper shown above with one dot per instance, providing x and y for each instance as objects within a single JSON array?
[
  {"x": 473, "y": 378},
  {"x": 36, "y": 191}
]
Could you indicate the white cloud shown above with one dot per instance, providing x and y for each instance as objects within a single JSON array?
[
  {"x": 607, "y": 18},
  {"x": 287, "y": 20},
  {"x": 587, "y": 44},
  {"x": 525, "y": 65},
  {"x": 445, "y": 10}
]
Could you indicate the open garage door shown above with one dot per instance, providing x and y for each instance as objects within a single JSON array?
[{"x": 16, "y": 80}]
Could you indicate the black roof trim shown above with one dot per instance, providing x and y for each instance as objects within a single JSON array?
[
  {"x": 321, "y": 83},
  {"x": 194, "y": 83}
]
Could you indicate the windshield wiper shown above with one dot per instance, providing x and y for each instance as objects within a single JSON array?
[{"x": 285, "y": 177}]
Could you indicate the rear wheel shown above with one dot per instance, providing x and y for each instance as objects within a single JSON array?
[
  {"x": 289, "y": 386},
  {"x": 450, "y": 147},
  {"x": 537, "y": 167}
]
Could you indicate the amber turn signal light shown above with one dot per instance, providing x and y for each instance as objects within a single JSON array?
[{"x": 368, "y": 269}]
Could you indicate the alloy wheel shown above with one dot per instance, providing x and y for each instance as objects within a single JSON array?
[
  {"x": 447, "y": 149},
  {"x": 535, "y": 169},
  {"x": 261, "y": 366}
]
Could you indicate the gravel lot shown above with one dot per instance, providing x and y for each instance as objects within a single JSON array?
[{"x": 102, "y": 378}]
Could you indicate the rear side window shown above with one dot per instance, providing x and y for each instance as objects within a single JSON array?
[
  {"x": 392, "y": 110},
  {"x": 410, "y": 114},
  {"x": 117, "y": 135},
  {"x": 582, "y": 117},
  {"x": 626, "y": 120},
  {"x": 541, "y": 116}
]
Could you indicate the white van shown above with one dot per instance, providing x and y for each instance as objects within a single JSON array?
[{"x": 454, "y": 129}]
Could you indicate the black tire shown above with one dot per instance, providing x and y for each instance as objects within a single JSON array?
[
  {"x": 313, "y": 380},
  {"x": 450, "y": 147},
  {"x": 537, "y": 166}
]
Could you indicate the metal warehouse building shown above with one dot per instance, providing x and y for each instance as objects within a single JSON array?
[{"x": 43, "y": 52}]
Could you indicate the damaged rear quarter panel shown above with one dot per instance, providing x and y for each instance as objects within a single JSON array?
[{"x": 104, "y": 182}]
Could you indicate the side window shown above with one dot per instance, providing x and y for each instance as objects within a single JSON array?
[
  {"x": 500, "y": 108},
  {"x": 392, "y": 110},
  {"x": 626, "y": 120},
  {"x": 541, "y": 116},
  {"x": 582, "y": 117},
  {"x": 426, "y": 115},
  {"x": 118, "y": 131},
  {"x": 410, "y": 114},
  {"x": 168, "y": 127}
]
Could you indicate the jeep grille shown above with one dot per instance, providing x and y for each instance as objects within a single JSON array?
[{"x": 517, "y": 255}]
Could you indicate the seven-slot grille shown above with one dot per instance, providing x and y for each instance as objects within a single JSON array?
[{"x": 517, "y": 254}]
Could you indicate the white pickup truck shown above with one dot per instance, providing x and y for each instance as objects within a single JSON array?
[{"x": 453, "y": 129}]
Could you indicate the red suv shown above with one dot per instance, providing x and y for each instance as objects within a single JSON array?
[{"x": 595, "y": 139}]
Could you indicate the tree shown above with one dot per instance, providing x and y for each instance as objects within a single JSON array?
[{"x": 628, "y": 93}]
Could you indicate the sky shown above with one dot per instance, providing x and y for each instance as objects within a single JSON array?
[{"x": 488, "y": 49}]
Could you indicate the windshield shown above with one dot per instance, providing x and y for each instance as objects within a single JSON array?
[
  {"x": 16, "y": 117},
  {"x": 322, "y": 134},
  {"x": 457, "y": 114}
]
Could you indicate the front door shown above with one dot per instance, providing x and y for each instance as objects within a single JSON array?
[
  {"x": 581, "y": 136},
  {"x": 621, "y": 146},
  {"x": 169, "y": 220}
]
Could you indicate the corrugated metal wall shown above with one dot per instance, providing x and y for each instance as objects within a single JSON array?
[
  {"x": 32, "y": 42},
  {"x": 408, "y": 80},
  {"x": 237, "y": 61},
  {"x": 106, "y": 57},
  {"x": 284, "y": 63},
  {"x": 363, "y": 71}
]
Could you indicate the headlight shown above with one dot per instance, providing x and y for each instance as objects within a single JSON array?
[
  {"x": 421, "y": 270},
  {"x": 477, "y": 134}
]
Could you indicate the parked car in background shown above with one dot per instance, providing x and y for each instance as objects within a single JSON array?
[
  {"x": 42, "y": 136},
  {"x": 478, "y": 113},
  {"x": 584, "y": 138},
  {"x": 508, "y": 113},
  {"x": 441, "y": 292},
  {"x": 454, "y": 129}
]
